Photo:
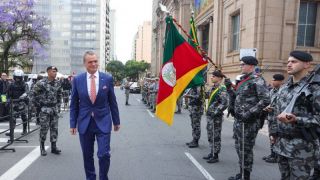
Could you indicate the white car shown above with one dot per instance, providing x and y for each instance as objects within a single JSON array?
[{"x": 134, "y": 88}]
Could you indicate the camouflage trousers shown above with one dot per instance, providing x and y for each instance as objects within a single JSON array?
[
  {"x": 48, "y": 119},
  {"x": 244, "y": 141},
  {"x": 214, "y": 126},
  {"x": 196, "y": 125},
  {"x": 296, "y": 168},
  {"x": 19, "y": 110}
]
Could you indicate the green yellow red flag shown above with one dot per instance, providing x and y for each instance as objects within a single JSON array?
[{"x": 181, "y": 62}]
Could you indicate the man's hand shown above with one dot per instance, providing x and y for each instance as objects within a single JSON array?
[
  {"x": 268, "y": 108},
  {"x": 287, "y": 118},
  {"x": 73, "y": 131},
  {"x": 116, "y": 127}
]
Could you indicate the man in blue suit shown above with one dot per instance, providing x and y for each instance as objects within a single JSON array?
[{"x": 93, "y": 109}]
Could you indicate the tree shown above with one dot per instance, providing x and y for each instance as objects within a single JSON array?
[
  {"x": 116, "y": 68},
  {"x": 134, "y": 68},
  {"x": 22, "y": 33}
]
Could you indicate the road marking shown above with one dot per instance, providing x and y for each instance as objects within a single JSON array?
[
  {"x": 4, "y": 140},
  {"x": 15, "y": 130},
  {"x": 7, "y": 124},
  {"x": 150, "y": 113},
  {"x": 198, "y": 165},
  {"x": 22, "y": 165},
  {"x": 138, "y": 100},
  {"x": 25, "y": 146}
]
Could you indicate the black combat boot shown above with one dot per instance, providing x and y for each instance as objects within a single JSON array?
[
  {"x": 210, "y": 155},
  {"x": 237, "y": 176},
  {"x": 193, "y": 144},
  {"x": 43, "y": 151},
  {"x": 54, "y": 148},
  {"x": 316, "y": 174},
  {"x": 24, "y": 131},
  {"x": 214, "y": 159},
  {"x": 246, "y": 175}
]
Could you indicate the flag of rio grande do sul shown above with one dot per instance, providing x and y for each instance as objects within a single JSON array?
[{"x": 181, "y": 62}]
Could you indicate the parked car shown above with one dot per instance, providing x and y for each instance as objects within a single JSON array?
[{"x": 134, "y": 88}]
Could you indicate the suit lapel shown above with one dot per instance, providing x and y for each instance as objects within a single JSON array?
[
  {"x": 101, "y": 80},
  {"x": 86, "y": 86}
]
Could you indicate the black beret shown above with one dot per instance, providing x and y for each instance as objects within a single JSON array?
[
  {"x": 52, "y": 68},
  {"x": 250, "y": 60},
  {"x": 278, "y": 77},
  {"x": 218, "y": 73},
  {"x": 302, "y": 56}
]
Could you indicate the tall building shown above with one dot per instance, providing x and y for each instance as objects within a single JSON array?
[
  {"x": 58, "y": 50},
  {"x": 273, "y": 27},
  {"x": 88, "y": 31},
  {"x": 142, "y": 43},
  {"x": 113, "y": 55}
]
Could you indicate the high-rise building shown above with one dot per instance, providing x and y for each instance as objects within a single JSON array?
[
  {"x": 58, "y": 50},
  {"x": 143, "y": 43},
  {"x": 113, "y": 55},
  {"x": 88, "y": 31}
]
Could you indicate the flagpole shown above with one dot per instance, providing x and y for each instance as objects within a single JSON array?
[{"x": 203, "y": 52}]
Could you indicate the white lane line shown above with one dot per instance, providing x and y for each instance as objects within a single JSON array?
[
  {"x": 15, "y": 130},
  {"x": 25, "y": 146},
  {"x": 150, "y": 113},
  {"x": 138, "y": 100},
  {"x": 4, "y": 140},
  {"x": 22, "y": 165},
  {"x": 201, "y": 169},
  {"x": 7, "y": 124}
]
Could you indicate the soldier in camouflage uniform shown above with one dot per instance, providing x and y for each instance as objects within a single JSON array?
[
  {"x": 272, "y": 119},
  {"x": 251, "y": 96},
  {"x": 218, "y": 102},
  {"x": 47, "y": 94},
  {"x": 297, "y": 153},
  {"x": 196, "y": 110}
]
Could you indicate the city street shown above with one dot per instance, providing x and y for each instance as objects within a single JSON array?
[{"x": 145, "y": 148}]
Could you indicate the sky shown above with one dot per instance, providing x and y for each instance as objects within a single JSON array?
[{"x": 130, "y": 14}]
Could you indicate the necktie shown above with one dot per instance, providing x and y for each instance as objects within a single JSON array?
[{"x": 93, "y": 94}]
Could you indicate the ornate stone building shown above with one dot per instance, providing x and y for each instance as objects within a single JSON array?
[{"x": 273, "y": 27}]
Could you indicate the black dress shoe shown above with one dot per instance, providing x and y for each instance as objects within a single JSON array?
[{"x": 193, "y": 144}]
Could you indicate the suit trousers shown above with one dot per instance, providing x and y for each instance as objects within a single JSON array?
[{"x": 87, "y": 145}]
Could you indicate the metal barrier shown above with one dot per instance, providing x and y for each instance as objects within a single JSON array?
[{"x": 12, "y": 125}]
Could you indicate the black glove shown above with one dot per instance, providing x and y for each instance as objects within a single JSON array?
[
  {"x": 228, "y": 83},
  {"x": 246, "y": 116}
]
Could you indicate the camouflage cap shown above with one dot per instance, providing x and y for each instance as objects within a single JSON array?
[{"x": 52, "y": 68}]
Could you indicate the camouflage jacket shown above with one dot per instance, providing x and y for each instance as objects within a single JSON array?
[
  {"x": 250, "y": 96},
  {"x": 47, "y": 93},
  {"x": 195, "y": 100},
  {"x": 307, "y": 112},
  {"x": 272, "y": 116},
  {"x": 219, "y": 103}
]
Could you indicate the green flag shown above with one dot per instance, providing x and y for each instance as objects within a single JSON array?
[{"x": 198, "y": 80}]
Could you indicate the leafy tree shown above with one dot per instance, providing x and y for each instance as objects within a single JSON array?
[
  {"x": 134, "y": 68},
  {"x": 22, "y": 33},
  {"x": 116, "y": 68}
]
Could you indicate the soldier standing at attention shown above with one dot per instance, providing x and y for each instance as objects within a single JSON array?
[
  {"x": 297, "y": 152},
  {"x": 272, "y": 119},
  {"x": 47, "y": 94},
  {"x": 196, "y": 111},
  {"x": 218, "y": 102},
  {"x": 251, "y": 96},
  {"x": 127, "y": 90}
]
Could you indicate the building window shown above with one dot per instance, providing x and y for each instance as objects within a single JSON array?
[
  {"x": 307, "y": 24},
  {"x": 235, "y": 32}
]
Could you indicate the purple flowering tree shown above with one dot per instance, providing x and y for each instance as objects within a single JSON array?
[{"x": 23, "y": 33}]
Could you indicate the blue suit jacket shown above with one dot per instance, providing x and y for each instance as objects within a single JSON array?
[{"x": 105, "y": 108}]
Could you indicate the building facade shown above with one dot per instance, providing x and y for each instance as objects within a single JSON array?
[
  {"x": 113, "y": 19},
  {"x": 142, "y": 43},
  {"x": 89, "y": 29},
  {"x": 273, "y": 27},
  {"x": 58, "y": 50}
]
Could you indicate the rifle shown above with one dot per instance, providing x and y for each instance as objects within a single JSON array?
[{"x": 314, "y": 77}]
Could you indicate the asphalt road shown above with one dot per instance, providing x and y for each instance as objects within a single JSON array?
[{"x": 144, "y": 149}]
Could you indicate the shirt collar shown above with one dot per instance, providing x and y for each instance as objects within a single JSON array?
[{"x": 96, "y": 74}]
